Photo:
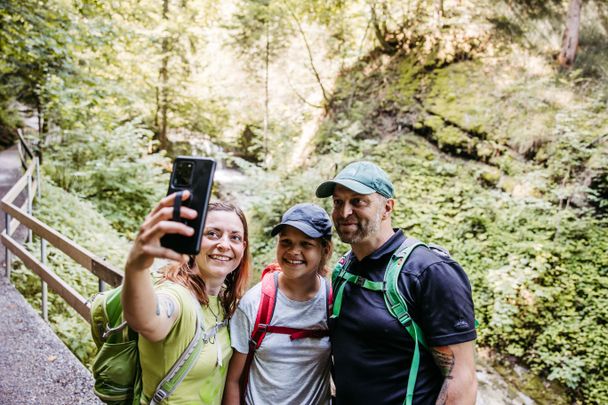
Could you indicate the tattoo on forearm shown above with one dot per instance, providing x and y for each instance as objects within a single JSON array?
[
  {"x": 166, "y": 305},
  {"x": 445, "y": 361}
]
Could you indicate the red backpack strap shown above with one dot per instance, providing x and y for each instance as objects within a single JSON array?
[
  {"x": 298, "y": 333},
  {"x": 270, "y": 285}
]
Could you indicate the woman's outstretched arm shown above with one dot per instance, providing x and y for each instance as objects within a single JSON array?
[{"x": 151, "y": 314}]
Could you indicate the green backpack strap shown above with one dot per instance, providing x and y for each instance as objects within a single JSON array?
[
  {"x": 396, "y": 305},
  {"x": 393, "y": 298},
  {"x": 187, "y": 360},
  {"x": 338, "y": 281}
]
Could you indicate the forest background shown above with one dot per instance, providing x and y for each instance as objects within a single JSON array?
[{"x": 487, "y": 115}]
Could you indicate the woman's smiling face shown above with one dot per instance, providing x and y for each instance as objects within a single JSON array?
[{"x": 223, "y": 244}]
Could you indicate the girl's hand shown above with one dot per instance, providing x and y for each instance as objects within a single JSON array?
[{"x": 147, "y": 247}]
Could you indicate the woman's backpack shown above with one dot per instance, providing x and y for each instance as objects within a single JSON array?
[{"x": 116, "y": 369}]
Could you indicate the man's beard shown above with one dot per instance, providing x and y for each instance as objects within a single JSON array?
[{"x": 363, "y": 231}]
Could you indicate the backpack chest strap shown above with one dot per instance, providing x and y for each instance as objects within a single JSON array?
[
  {"x": 345, "y": 277},
  {"x": 209, "y": 335},
  {"x": 295, "y": 333}
]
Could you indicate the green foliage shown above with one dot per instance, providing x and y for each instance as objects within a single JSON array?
[
  {"x": 47, "y": 47},
  {"x": 456, "y": 77},
  {"x": 259, "y": 30},
  {"x": 537, "y": 271},
  {"x": 9, "y": 118},
  {"x": 265, "y": 26},
  {"x": 537, "y": 265},
  {"x": 114, "y": 170},
  {"x": 592, "y": 59},
  {"x": 81, "y": 222},
  {"x": 200, "y": 116},
  {"x": 32, "y": 42}
]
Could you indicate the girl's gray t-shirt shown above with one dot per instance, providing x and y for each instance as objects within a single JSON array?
[{"x": 285, "y": 371}]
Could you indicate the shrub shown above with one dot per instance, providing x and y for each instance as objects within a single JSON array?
[{"x": 112, "y": 169}]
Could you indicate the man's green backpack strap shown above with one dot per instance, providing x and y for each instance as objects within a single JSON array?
[
  {"x": 395, "y": 303},
  {"x": 116, "y": 368}
]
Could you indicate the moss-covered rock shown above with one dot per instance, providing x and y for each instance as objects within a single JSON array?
[
  {"x": 452, "y": 139},
  {"x": 406, "y": 85},
  {"x": 490, "y": 177},
  {"x": 459, "y": 94},
  {"x": 433, "y": 122}
]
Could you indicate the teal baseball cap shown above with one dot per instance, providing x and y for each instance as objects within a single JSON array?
[{"x": 362, "y": 178}]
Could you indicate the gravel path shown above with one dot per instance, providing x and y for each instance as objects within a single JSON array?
[{"x": 35, "y": 366}]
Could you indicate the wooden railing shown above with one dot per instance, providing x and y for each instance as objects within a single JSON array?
[{"x": 16, "y": 216}]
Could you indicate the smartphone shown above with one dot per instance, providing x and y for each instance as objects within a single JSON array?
[{"x": 195, "y": 174}]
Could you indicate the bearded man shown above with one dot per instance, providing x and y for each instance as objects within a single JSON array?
[{"x": 427, "y": 355}]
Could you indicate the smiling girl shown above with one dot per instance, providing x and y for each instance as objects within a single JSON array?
[{"x": 292, "y": 364}]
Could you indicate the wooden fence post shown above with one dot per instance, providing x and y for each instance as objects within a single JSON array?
[
  {"x": 29, "y": 200},
  {"x": 7, "y": 255},
  {"x": 44, "y": 285}
]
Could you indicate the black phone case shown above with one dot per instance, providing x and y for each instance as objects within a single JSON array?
[{"x": 200, "y": 185}]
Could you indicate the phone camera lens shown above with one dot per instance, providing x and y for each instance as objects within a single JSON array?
[{"x": 183, "y": 174}]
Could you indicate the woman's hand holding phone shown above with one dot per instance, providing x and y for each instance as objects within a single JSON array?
[{"x": 147, "y": 245}]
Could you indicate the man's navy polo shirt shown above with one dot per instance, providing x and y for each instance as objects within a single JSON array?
[{"x": 373, "y": 351}]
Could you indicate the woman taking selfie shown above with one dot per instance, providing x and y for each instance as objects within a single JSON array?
[
  {"x": 286, "y": 360},
  {"x": 165, "y": 313}
]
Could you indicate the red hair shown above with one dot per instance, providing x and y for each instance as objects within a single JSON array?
[{"x": 235, "y": 283}]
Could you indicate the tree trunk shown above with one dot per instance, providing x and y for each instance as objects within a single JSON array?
[
  {"x": 603, "y": 18},
  {"x": 164, "y": 78},
  {"x": 439, "y": 12},
  {"x": 381, "y": 32},
  {"x": 570, "y": 40},
  {"x": 266, "y": 92},
  {"x": 311, "y": 60},
  {"x": 440, "y": 9}
]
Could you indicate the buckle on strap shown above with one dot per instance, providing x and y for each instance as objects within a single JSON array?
[
  {"x": 405, "y": 320},
  {"x": 209, "y": 335},
  {"x": 110, "y": 331},
  {"x": 261, "y": 329},
  {"x": 360, "y": 281},
  {"x": 159, "y": 396}
]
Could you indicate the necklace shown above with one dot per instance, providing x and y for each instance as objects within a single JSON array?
[
  {"x": 215, "y": 328},
  {"x": 216, "y": 316}
]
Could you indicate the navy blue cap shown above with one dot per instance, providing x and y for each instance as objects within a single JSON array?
[{"x": 308, "y": 218}]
